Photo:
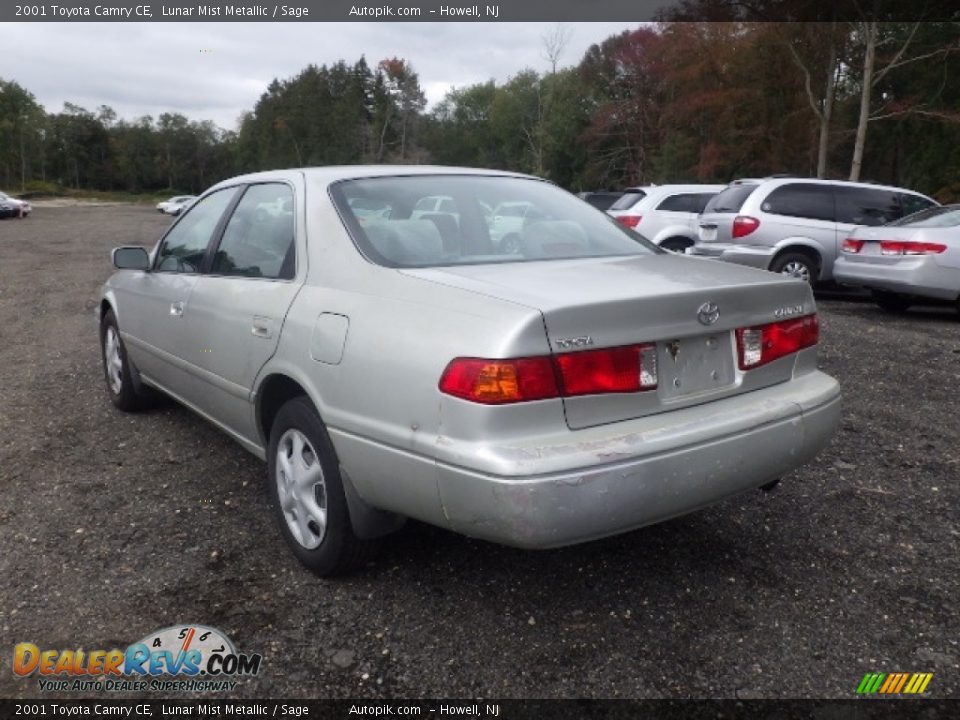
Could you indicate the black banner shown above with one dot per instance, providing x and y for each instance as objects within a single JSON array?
[
  {"x": 474, "y": 10},
  {"x": 863, "y": 709}
]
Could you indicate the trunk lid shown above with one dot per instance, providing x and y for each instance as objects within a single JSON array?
[{"x": 608, "y": 302}]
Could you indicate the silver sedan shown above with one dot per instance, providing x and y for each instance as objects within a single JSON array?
[
  {"x": 907, "y": 260},
  {"x": 391, "y": 365}
]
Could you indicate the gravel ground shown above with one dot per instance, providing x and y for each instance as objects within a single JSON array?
[{"x": 115, "y": 525}]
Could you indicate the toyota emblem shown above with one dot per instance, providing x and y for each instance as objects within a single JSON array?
[{"x": 708, "y": 313}]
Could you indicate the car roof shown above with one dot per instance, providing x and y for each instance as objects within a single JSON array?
[
  {"x": 778, "y": 181},
  {"x": 691, "y": 188},
  {"x": 335, "y": 173}
]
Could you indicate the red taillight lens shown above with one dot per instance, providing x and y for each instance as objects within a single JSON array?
[
  {"x": 494, "y": 382},
  {"x": 744, "y": 225},
  {"x": 902, "y": 247},
  {"x": 850, "y": 245},
  {"x": 632, "y": 368},
  {"x": 760, "y": 345},
  {"x": 612, "y": 370},
  {"x": 631, "y": 221}
]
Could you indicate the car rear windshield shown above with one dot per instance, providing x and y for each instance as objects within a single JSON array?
[
  {"x": 935, "y": 217},
  {"x": 628, "y": 200},
  {"x": 490, "y": 219},
  {"x": 730, "y": 199}
]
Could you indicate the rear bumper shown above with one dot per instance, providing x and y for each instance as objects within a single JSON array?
[
  {"x": 758, "y": 256},
  {"x": 909, "y": 276},
  {"x": 615, "y": 478}
]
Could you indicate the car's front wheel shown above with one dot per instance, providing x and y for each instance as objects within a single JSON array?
[
  {"x": 892, "y": 302},
  {"x": 306, "y": 491},
  {"x": 117, "y": 370}
]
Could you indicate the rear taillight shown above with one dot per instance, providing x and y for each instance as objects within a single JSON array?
[
  {"x": 902, "y": 247},
  {"x": 850, "y": 245},
  {"x": 612, "y": 370},
  {"x": 495, "y": 382},
  {"x": 743, "y": 225},
  {"x": 760, "y": 345},
  {"x": 632, "y": 368},
  {"x": 631, "y": 221}
]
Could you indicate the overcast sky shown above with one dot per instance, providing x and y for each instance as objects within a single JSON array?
[{"x": 215, "y": 71}]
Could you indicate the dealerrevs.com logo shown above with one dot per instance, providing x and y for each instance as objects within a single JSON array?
[{"x": 181, "y": 658}]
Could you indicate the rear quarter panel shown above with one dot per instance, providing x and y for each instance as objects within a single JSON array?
[{"x": 381, "y": 402}]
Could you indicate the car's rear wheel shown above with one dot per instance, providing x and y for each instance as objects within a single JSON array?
[
  {"x": 117, "y": 369},
  {"x": 892, "y": 302},
  {"x": 306, "y": 490},
  {"x": 677, "y": 245},
  {"x": 797, "y": 265}
]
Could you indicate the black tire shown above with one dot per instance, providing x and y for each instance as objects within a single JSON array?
[
  {"x": 798, "y": 265},
  {"x": 339, "y": 549},
  {"x": 510, "y": 245},
  {"x": 891, "y": 302},
  {"x": 128, "y": 397},
  {"x": 677, "y": 245}
]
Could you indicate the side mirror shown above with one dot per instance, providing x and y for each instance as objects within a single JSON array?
[{"x": 130, "y": 258}]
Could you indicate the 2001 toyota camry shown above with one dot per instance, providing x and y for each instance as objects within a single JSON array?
[{"x": 391, "y": 364}]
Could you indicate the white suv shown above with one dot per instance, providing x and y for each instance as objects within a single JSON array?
[
  {"x": 666, "y": 214},
  {"x": 795, "y": 226}
]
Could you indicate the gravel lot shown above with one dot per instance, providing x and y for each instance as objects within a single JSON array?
[{"x": 115, "y": 525}]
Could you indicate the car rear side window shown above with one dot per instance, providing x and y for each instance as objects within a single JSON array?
[
  {"x": 678, "y": 203},
  {"x": 866, "y": 206},
  {"x": 628, "y": 200},
  {"x": 802, "y": 200},
  {"x": 258, "y": 239},
  {"x": 730, "y": 199},
  {"x": 184, "y": 247}
]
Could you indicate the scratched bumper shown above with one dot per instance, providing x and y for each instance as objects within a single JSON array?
[{"x": 630, "y": 474}]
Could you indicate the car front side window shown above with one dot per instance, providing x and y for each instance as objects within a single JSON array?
[
  {"x": 866, "y": 206},
  {"x": 184, "y": 247}
]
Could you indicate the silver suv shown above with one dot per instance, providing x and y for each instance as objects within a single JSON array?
[
  {"x": 665, "y": 214},
  {"x": 795, "y": 226}
]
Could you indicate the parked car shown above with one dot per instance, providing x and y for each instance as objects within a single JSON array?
[
  {"x": 508, "y": 221},
  {"x": 795, "y": 226},
  {"x": 587, "y": 385},
  {"x": 667, "y": 214},
  {"x": 176, "y": 205},
  {"x": 906, "y": 261},
  {"x": 19, "y": 208},
  {"x": 601, "y": 199}
]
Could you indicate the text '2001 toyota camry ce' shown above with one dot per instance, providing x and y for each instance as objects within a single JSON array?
[{"x": 359, "y": 329}]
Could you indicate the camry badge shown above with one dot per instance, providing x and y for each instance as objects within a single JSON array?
[
  {"x": 708, "y": 313},
  {"x": 789, "y": 311}
]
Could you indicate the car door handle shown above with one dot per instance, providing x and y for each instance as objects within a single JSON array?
[
  {"x": 262, "y": 327},
  {"x": 176, "y": 308}
]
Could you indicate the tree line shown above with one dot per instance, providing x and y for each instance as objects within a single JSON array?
[{"x": 670, "y": 102}]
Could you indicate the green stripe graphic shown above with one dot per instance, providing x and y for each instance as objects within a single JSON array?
[{"x": 871, "y": 683}]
